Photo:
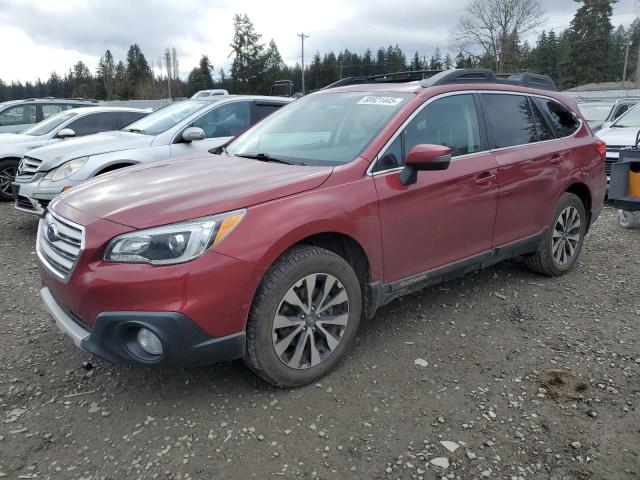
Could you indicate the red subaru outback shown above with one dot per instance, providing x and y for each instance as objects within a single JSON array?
[{"x": 274, "y": 248}]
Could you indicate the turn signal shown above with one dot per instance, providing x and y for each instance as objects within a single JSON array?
[
  {"x": 601, "y": 148},
  {"x": 226, "y": 226}
]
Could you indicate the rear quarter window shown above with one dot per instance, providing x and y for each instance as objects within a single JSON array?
[{"x": 564, "y": 122}]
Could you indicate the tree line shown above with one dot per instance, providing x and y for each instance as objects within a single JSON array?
[{"x": 588, "y": 50}]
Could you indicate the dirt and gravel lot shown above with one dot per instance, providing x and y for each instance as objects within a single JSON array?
[{"x": 459, "y": 381}]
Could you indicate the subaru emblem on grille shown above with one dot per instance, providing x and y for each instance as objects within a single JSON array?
[{"x": 52, "y": 233}]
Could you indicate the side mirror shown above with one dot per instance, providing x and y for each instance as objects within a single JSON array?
[
  {"x": 193, "y": 134},
  {"x": 424, "y": 157},
  {"x": 66, "y": 133}
]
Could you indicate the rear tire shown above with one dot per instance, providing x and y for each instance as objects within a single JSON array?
[
  {"x": 304, "y": 316},
  {"x": 8, "y": 169},
  {"x": 560, "y": 248}
]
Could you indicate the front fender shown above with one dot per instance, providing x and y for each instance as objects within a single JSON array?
[{"x": 269, "y": 229}]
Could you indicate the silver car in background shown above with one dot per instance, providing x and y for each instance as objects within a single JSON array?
[
  {"x": 18, "y": 115},
  {"x": 62, "y": 126},
  {"x": 178, "y": 129}
]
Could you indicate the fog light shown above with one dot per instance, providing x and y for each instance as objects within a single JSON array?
[{"x": 149, "y": 342}]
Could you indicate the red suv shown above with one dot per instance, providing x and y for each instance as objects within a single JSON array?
[{"x": 273, "y": 248}]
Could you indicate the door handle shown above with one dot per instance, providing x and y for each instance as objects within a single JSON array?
[{"x": 485, "y": 177}]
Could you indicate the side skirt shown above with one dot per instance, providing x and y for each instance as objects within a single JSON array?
[{"x": 381, "y": 294}]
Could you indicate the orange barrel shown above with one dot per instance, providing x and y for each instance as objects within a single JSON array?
[{"x": 634, "y": 180}]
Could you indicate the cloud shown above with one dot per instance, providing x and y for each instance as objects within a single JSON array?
[{"x": 40, "y": 36}]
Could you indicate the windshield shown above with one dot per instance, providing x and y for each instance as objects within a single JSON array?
[
  {"x": 163, "y": 119},
  {"x": 321, "y": 129},
  {"x": 629, "y": 119},
  {"x": 49, "y": 124},
  {"x": 595, "y": 111}
]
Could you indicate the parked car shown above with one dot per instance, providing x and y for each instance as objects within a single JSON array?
[
  {"x": 177, "y": 129},
  {"x": 62, "y": 126},
  {"x": 619, "y": 135},
  {"x": 18, "y": 115},
  {"x": 210, "y": 93},
  {"x": 601, "y": 113},
  {"x": 274, "y": 249}
]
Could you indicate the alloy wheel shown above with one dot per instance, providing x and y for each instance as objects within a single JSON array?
[
  {"x": 6, "y": 177},
  {"x": 566, "y": 235},
  {"x": 310, "y": 321}
]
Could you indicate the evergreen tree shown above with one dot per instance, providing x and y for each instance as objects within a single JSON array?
[
  {"x": 248, "y": 56},
  {"x": 436, "y": 60},
  {"x": 589, "y": 41}
]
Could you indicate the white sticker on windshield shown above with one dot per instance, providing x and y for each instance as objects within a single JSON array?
[{"x": 375, "y": 100}]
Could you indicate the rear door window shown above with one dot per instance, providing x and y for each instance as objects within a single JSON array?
[
  {"x": 564, "y": 122},
  {"x": 49, "y": 109},
  {"x": 545, "y": 132},
  {"x": 510, "y": 120},
  {"x": 94, "y": 123},
  {"x": 127, "y": 118}
]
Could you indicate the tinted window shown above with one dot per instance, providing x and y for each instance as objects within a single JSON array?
[
  {"x": 262, "y": 110},
  {"x": 392, "y": 156},
  {"x": 510, "y": 119},
  {"x": 18, "y": 115},
  {"x": 93, "y": 123},
  {"x": 450, "y": 121},
  {"x": 226, "y": 120},
  {"x": 129, "y": 117},
  {"x": 542, "y": 125},
  {"x": 563, "y": 120}
]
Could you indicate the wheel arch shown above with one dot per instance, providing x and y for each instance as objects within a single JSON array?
[
  {"x": 582, "y": 191},
  {"x": 114, "y": 166}
]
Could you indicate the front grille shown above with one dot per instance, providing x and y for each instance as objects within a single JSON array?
[
  {"x": 27, "y": 168},
  {"x": 59, "y": 244},
  {"x": 24, "y": 203}
]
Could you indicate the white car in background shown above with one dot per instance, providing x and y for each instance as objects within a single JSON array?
[
  {"x": 178, "y": 129},
  {"x": 619, "y": 135},
  {"x": 62, "y": 126},
  {"x": 219, "y": 92}
]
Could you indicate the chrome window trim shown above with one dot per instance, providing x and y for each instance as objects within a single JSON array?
[{"x": 490, "y": 150}]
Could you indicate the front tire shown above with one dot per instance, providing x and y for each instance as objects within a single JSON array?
[
  {"x": 559, "y": 249},
  {"x": 8, "y": 170},
  {"x": 304, "y": 316}
]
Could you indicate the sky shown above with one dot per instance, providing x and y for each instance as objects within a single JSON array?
[{"x": 41, "y": 36}]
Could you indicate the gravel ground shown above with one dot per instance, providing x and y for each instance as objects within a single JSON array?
[{"x": 500, "y": 374}]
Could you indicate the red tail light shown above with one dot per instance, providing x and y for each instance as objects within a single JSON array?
[{"x": 601, "y": 147}]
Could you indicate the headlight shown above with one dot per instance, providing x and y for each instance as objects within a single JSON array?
[
  {"x": 175, "y": 243},
  {"x": 67, "y": 169}
]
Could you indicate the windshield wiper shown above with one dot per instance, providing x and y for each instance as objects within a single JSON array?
[
  {"x": 265, "y": 157},
  {"x": 134, "y": 130}
]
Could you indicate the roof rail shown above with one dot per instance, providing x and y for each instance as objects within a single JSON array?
[
  {"x": 391, "y": 77},
  {"x": 483, "y": 75}
]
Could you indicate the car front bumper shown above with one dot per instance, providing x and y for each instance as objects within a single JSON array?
[
  {"x": 113, "y": 337},
  {"x": 34, "y": 197}
]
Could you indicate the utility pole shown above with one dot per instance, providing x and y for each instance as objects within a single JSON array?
[
  {"x": 637, "y": 84},
  {"x": 626, "y": 60},
  {"x": 302, "y": 37}
]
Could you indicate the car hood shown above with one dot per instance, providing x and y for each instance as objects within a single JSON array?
[
  {"x": 53, "y": 156},
  {"x": 11, "y": 138},
  {"x": 621, "y": 136},
  {"x": 188, "y": 187}
]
